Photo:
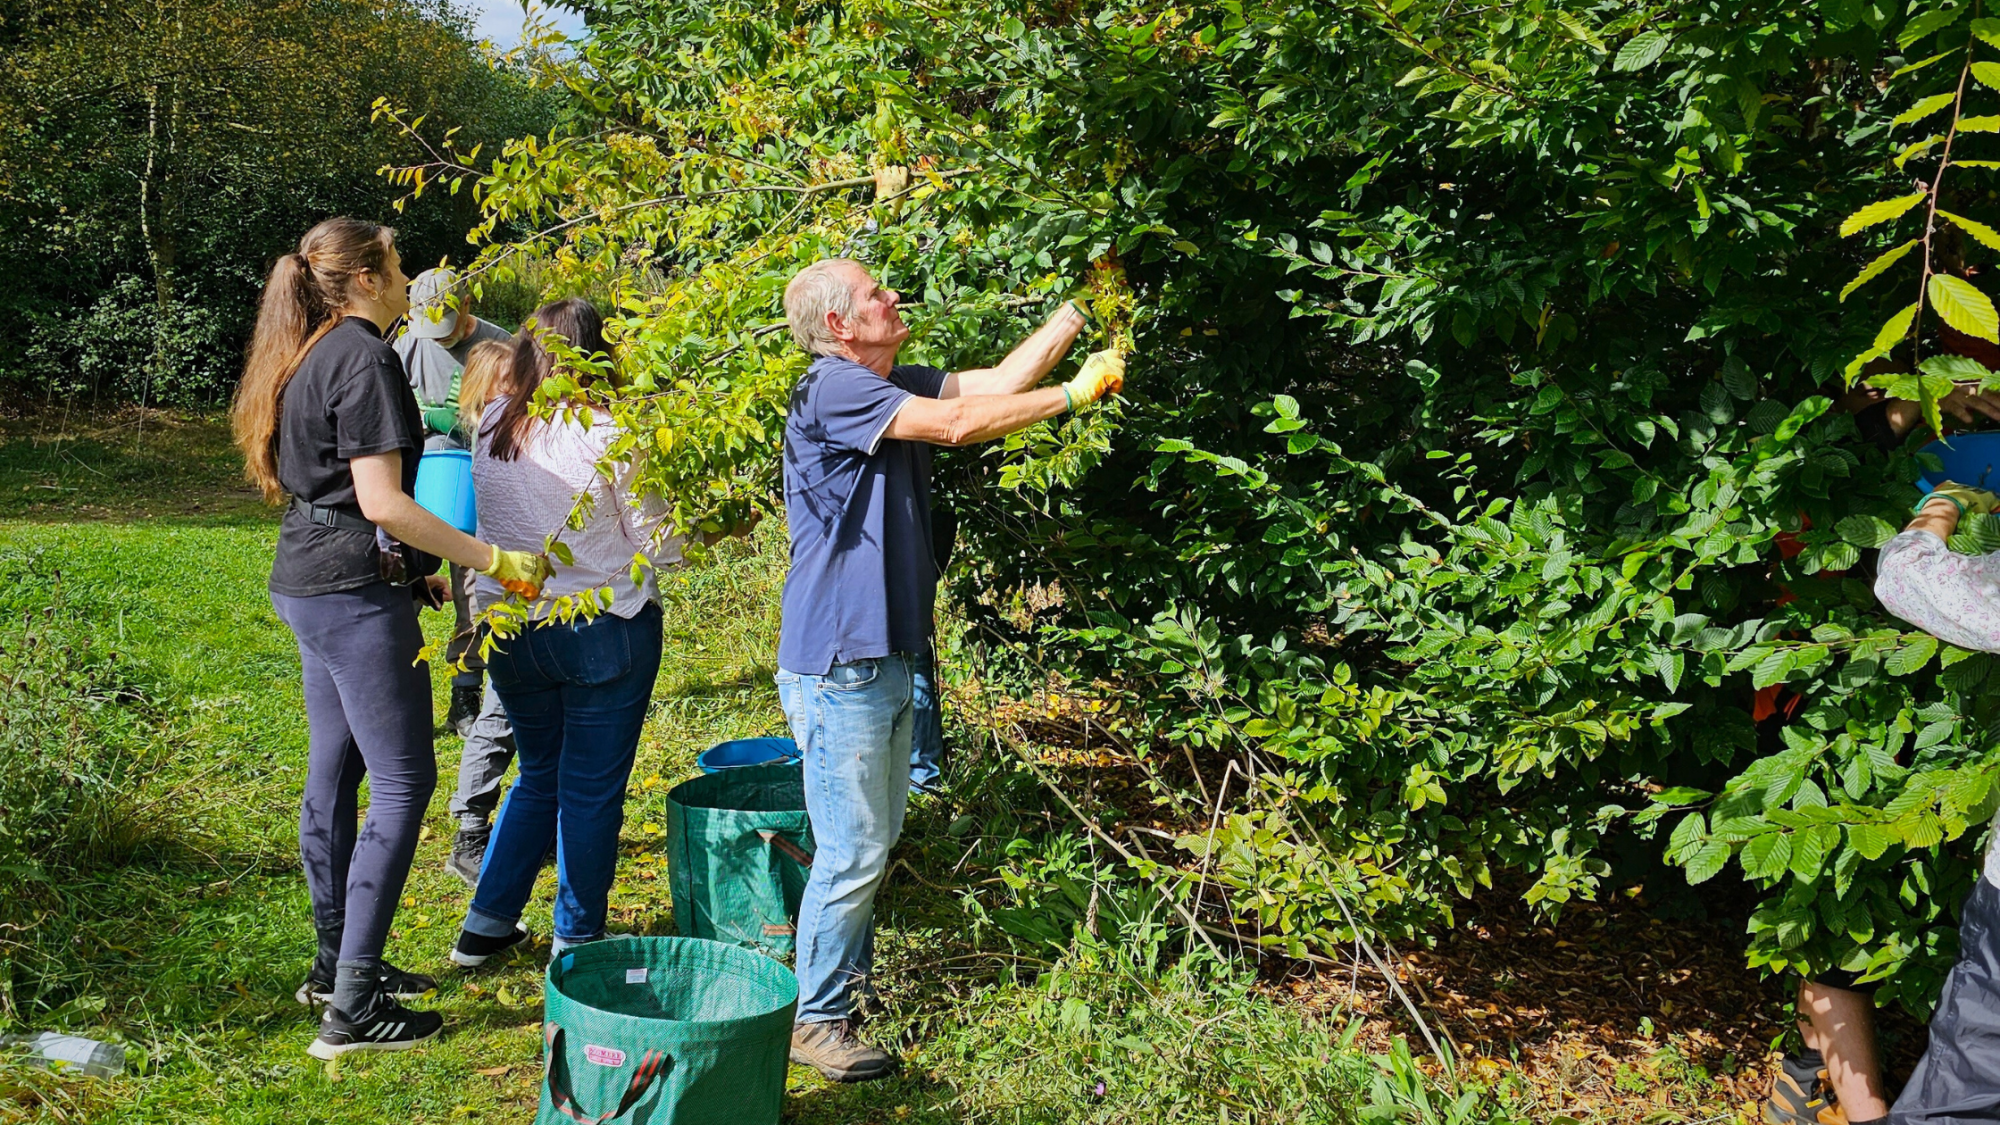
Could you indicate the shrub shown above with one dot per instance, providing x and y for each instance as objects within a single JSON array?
[{"x": 1480, "y": 464}]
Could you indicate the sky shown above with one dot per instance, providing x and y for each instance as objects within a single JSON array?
[{"x": 500, "y": 20}]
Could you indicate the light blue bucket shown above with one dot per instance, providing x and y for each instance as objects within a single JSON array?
[{"x": 444, "y": 487}]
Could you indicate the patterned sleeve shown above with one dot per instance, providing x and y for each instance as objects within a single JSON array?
[{"x": 1955, "y": 598}]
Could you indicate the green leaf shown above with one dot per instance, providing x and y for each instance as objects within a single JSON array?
[
  {"x": 1963, "y": 307},
  {"x": 1866, "y": 531},
  {"x": 1773, "y": 669},
  {"x": 1988, "y": 74},
  {"x": 1641, "y": 51},
  {"x": 1957, "y": 368},
  {"x": 1911, "y": 656},
  {"x": 1768, "y": 856},
  {"x": 1987, "y": 236},
  {"x": 1912, "y": 68},
  {"x": 1988, "y": 31},
  {"x": 1875, "y": 269},
  {"x": 1702, "y": 866},
  {"x": 1922, "y": 109},
  {"x": 1881, "y": 211},
  {"x": 1809, "y": 848},
  {"x": 1871, "y": 840},
  {"x": 1989, "y": 123},
  {"x": 1930, "y": 23},
  {"x": 1737, "y": 379}
]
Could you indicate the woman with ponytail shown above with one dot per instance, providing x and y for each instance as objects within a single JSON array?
[{"x": 326, "y": 422}]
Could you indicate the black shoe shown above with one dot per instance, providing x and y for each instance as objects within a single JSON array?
[
  {"x": 390, "y": 1027},
  {"x": 396, "y": 984},
  {"x": 468, "y": 851},
  {"x": 465, "y": 700},
  {"x": 473, "y": 950}
]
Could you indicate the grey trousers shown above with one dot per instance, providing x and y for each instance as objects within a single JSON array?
[
  {"x": 482, "y": 763},
  {"x": 462, "y": 635},
  {"x": 489, "y": 746},
  {"x": 1958, "y": 1080}
]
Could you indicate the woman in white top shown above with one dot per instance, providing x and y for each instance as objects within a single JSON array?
[{"x": 576, "y": 693}]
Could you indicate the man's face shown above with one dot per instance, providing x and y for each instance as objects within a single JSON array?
[{"x": 876, "y": 322}]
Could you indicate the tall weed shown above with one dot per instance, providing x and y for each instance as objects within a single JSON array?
[{"x": 75, "y": 753}]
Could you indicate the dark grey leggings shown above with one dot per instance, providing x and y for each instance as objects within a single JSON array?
[{"x": 368, "y": 704}]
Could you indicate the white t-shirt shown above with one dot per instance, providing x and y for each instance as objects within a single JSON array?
[
  {"x": 523, "y": 501},
  {"x": 1955, "y": 598}
]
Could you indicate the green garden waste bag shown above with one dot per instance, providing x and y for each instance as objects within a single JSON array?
[
  {"x": 739, "y": 851},
  {"x": 665, "y": 1031}
]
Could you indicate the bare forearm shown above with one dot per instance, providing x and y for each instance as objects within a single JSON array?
[
  {"x": 1939, "y": 517},
  {"x": 401, "y": 517},
  {"x": 1028, "y": 363},
  {"x": 977, "y": 418}
]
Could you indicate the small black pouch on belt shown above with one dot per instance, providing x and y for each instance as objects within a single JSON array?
[{"x": 396, "y": 562}]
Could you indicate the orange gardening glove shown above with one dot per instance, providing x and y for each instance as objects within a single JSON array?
[{"x": 1103, "y": 374}]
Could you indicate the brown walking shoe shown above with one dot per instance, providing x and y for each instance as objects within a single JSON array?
[
  {"x": 1804, "y": 1098},
  {"x": 832, "y": 1048}
]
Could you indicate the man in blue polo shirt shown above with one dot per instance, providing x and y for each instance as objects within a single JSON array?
[{"x": 858, "y": 599}]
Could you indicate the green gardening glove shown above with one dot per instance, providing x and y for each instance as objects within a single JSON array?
[{"x": 1968, "y": 500}]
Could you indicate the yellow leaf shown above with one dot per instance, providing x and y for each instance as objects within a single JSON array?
[
  {"x": 1897, "y": 327},
  {"x": 1986, "y": 235},
  {"x": 1886, "y": 340},
  {"x": 1923, "y": 109},
  {"x": 1988, "y": 124},
  {"x": 1874, "y": 269},
  {"x": 1916, "y": 147},
  {"x": 1878, "y": 212},
  {"x": 1963, "y": 307},
  {"x": 1988, "y": 74}
]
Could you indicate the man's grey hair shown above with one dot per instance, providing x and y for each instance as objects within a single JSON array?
[{"x": 821, "y": 288}]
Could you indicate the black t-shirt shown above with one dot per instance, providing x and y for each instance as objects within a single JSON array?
[{"x": 349, "y": 399}]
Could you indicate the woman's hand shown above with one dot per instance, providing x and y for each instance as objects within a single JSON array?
[
  {"x": 437, "y": 591},
  {"x": 519, "y": 572}
]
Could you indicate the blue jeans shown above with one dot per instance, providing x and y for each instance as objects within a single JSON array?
[
  {"x": 577, "y": 697},
  {"x": 853, "y": 726},
  {"x": 927, "y": 738}
]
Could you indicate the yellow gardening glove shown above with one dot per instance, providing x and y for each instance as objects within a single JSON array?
[
  {"x": 1103, "y": 373},
  {"x": 1969, "y": 501},
  {"x": 519, "y": 572}
]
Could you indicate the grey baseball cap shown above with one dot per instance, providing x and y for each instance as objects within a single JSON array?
[{"x": 431, "y": 314}]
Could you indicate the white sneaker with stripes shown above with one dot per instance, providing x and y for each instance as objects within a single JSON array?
[{"x": 389, "y": 1027}]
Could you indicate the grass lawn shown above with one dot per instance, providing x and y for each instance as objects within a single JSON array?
[{"x": 185, "y": 926}]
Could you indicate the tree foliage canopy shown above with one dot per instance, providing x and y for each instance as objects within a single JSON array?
[
  {"x": 1478, "y": 466},
  {"x": 156, "y": 155}
]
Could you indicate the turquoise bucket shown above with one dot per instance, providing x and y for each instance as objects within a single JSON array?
[
  {"x": 741, "y": 752},
  {"x": 1969, "y": 459},
  {"x": 444, "y": 487}
]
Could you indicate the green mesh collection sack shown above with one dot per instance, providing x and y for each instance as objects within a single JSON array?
[
  {"x": 739, "y": 851},
  {"x": 665, "y": 1031}
]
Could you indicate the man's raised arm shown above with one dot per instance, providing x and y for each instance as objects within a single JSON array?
[{"x": 1026, "y": 365}]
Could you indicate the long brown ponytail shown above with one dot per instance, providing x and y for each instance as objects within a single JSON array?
[{"x": 302, "y": 302}]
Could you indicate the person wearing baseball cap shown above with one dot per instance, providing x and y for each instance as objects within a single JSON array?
[{"x": 437, "y": 338}]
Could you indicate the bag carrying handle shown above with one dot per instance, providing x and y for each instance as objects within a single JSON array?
[
  {"x": 791, "y": 851},
  {"x": 651, "y": 1066}
]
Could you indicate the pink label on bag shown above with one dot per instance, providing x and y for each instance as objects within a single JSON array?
[{"x": 603, "y": 1056}]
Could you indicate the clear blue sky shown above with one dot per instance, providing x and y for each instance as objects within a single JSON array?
[{"x": 500, "y": 20}]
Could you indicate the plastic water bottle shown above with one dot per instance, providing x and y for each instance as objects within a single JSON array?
[{"x": 73, "y": 1054}]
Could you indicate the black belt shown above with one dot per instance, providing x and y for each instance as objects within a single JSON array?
[{"x": 331, "y": 517}]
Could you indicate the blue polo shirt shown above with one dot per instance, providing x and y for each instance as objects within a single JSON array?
[{"x": 863, "y": 582}]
